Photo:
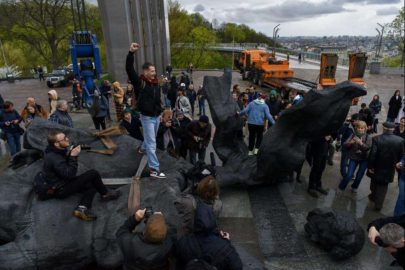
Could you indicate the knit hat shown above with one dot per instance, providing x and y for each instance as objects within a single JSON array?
[
  {"x": 155, "y": 229},
  {"x": 204, "y": 119},
  {"x": 180, "y": 113},
  {"x": 389, "y": 125}
]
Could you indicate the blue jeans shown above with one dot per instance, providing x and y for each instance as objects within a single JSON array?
[
  {"x": 399, "y": 207},
  {"x": 167, "y": 101},
  {"x": 108, "y": 108},
  {"x": 150, "y": 129},
  {"x": 392, "y": 120},
  {"x": 343, "y": 161},
  {"x": 14, "y": 142},
  {"x": 202, "y": 106},
  {"x": 360, "y": 173}
]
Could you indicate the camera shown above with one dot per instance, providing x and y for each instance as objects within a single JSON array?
[
  {"x": 148, "y": 213},
  {"x": 82, "y": 146},
  {"x": 200, "y": 143},
  {"x": 380, "y": 242}
]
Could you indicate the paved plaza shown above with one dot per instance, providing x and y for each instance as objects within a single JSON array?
[{"x": 269, "y": 221}]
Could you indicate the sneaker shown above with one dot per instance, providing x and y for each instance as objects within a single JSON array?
[
  {"x": 321, "y": 190},
  {"x": 256, "y": 150},
  {"x": 250, "y": 153},
  {"x": 339, "y": 192},
  {"x": 157, "y": 174},
  {"x": 111, "y": 195},
  {"x": 313, "y": 193},
  {"x": 141, "y": 151},
  {"x": 84, "y": 213},
  {"x": 354, "y": 190}
]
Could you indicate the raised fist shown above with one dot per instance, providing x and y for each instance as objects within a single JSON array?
[{"x": 134, "y": 47}]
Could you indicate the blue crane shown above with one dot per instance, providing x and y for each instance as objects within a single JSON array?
[{"x": 83, "y": 44}]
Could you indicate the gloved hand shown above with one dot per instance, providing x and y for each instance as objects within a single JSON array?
[{"x": 25, "y": 157}]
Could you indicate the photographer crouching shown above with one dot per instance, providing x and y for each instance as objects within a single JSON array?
[
  {"x": 199, "y": 133},
  {"x": 389, "y": 234},
  {"x": 58, "y": 177},
  {"x": 150, "y": 249}
]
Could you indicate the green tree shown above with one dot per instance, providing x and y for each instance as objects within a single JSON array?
[
  {"x": 201, "y": 38},
  {"x": 396, "y": 32},
  {"x": 44, "y": 24}
]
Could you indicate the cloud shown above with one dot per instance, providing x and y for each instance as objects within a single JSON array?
[
  {"x": 199, "y": 8},
  {"x": 285, "y": 12},
  {"x": 387, "y": 11},
  {"x": 367, "y": 2}
]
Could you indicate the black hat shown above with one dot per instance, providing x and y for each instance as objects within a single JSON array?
[
  {"x": 389, "y": 125},
  {"x": 204, "y": 119},
  {"x": 363, "y": 105},
  {"x": 356, "y": 116}
]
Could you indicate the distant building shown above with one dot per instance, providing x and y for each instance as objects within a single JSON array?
[{"x": 341, "y": 51}]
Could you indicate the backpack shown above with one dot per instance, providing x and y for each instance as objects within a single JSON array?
[
  {"x": 135, "y": 105},
  {"x": 205, "y": 262},
  {"x": 200, "y": 171}
]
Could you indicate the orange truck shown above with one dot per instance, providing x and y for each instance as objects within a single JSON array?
[{"x": 263, "y": 69}]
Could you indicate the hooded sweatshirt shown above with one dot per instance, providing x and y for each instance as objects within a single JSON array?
[
  {"x": 53, "y": 101},
  {"x": 275, "y": 105},
  {"x": 256, "y": 112},
  {"x": 118, "y": 93}
]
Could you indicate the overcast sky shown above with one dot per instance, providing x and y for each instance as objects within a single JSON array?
[{"x": 300, "y": 17}]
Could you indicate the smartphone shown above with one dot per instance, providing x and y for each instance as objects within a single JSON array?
[{"x": 358, "y": 136}]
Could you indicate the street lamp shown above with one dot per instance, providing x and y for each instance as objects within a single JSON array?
[{"x": 274, "y": 38}]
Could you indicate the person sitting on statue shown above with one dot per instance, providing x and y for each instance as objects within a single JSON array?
[
  {"x": 60, "y": 170},
  {"x": 132, "y": 124}
]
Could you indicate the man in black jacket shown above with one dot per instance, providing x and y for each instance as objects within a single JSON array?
[
  {"x": 147, "y": 94},
  {"x": 319, "y": 153},
  {"x": 391, "y": 235},
  {"x": 60, "y": 169},
  {"x": 145, "y": 250},
  {"x": 211, "y": 242},
  {"x": 386, "y": 151},
  {"x": 181, "y": 124},
  {"x": 132, "y": 124},
  {"x": 169, "y": 69},
  {"x": 199, "y": 136},
  {"x": 366, "y": 116}
]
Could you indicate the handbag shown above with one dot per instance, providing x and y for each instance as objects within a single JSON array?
[{"x": 43, "y": 189}]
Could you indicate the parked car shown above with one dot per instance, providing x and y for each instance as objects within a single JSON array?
[{"x": 61, "y": 76}]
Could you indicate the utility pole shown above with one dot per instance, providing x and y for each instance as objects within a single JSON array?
[
  {"x": 233, "y": 50},
  {"x": 274, "y": 38},
  {"x": 4, "y": 56}
]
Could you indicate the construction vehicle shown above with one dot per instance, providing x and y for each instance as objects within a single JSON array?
[
  {"x": 264, "y": 70},
  {"x": 83, "y": 44},
  {"x": 357, "y": 68}
]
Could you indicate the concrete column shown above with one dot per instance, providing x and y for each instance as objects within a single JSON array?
[{"x": 141, "y": 21}]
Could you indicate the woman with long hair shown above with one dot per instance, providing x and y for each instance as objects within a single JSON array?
[{"x": 395, "y": 105}]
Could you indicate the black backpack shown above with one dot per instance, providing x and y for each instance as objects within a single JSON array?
[
  {"x": 205, "y": 262},
  {"x": 195, "y": 174}
]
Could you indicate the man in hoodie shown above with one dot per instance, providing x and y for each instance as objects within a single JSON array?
[
  {"x": 256, "y": 112},
  {"x": 147, "y": 93},
  {"x": 183, "y": 104},
  {"x": 10, "y": 123},
  {"x": 118, "y": 94},
  {"x": 61, "y": 116},
  {"x": 209, "y": 242},
  {"x": 275, "y": 105},
  {"x": 60, "y": 167},
  {"x": 150, "y": 249}
]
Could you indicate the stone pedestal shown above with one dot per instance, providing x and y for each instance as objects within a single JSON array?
[
  {"x": 142, "y": 21},
  {"x": 375, "y": 67}
]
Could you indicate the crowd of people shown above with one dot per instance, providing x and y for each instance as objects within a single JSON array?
[{"x": 171, "y": 128}]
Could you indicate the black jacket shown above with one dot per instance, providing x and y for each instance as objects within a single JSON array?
[
  {"x": 172, "y": 96},
  {"x": 133, "y": 128},
  {"x": 194, "y": 129},
  {"x": 386, "y": 151},
  {"x": 319, "y": 148},
  {"x": 210, "y": 242},
  {"x": 138, "y": 253},
  {"x": 160, "y": 136},
  {"x": 395, "y": 105},
  {"x": 169, "y": 68},
  {"x": 375, "y": 106},
  {"x": 182, "y": 128},
  {"x": 379, "y": 223},
  {"x": 58, "y": 167},
  {"x": 275, "y": 106},
  {"x": 148, "y": 98},
  {"x": 366, "y": 116}
]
